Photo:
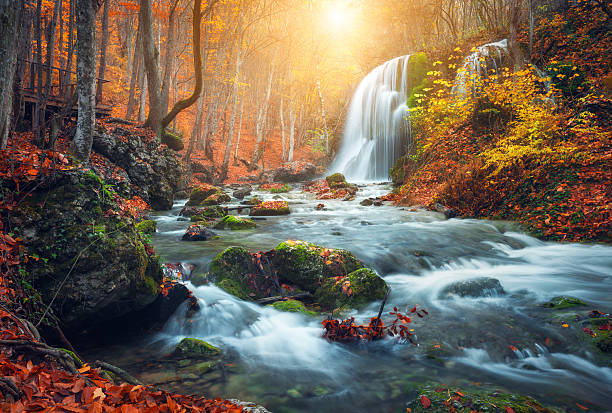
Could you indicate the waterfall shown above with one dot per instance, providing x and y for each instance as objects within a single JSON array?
[
  {"x": 377, "y": 128},
  {"x": 477, "y": 65}
]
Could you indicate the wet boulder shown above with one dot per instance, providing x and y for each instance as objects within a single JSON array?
[
  {"x": 476, "y": 287},
  {"x": 214, "y": 211},
  {"x": 562, "y": 302},
  {"x": 235, "y": 264},
  {"x": 295, "y": 171},
  {"x": 200, "y": 193},
  {"x": 306, "y": 265},
  {"x": 367, "y": 202},
  {"x": 198, "y": 232},
  {"x": 270, "y": 208},
  {"x": 195, "y": 348},
  {"x": 242, "y": 192},
  {"x": 358, "y": 288},
  {"x": 232, "y": 222},
  {"x": 217, "y": 198}
]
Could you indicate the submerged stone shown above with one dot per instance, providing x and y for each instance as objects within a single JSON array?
[
  {"x": 562, "y": 302},
  {"x": 476, "y": 287},
  {"x": 195, "y": 348}
]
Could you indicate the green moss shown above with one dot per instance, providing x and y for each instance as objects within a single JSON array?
[
  {"x": 335, "y": 178},
  {"x": 563, "y": 302},
  {"x": 234, "y": 263},
  {"x": 172, "y": 141},
  {"x": 200, "y": 193},
  {"x": 418, "y": 66},
  {"x": 603, "y": 341},
  {"x": 217, "y": 198},
  {"x": 198, "y": 279},
  {"x": 293, "y": 306},
  {"x": 363, "y": 284},
  {"x": 195, "y": 348},
  {"x": 482, "y": 399},
  {"x": 150, "y": 286},
  {"x": 232, "y": 287},
  {"x": 235, "y": 223},
  {"x": 77, "y": 361},
  {"x": 147, "y": 226},
  {"x": 254, "y": 201}
]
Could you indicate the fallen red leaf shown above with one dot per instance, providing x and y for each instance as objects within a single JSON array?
[{"x": 425, "y": 402}]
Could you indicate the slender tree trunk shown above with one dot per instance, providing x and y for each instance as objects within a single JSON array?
[
  {"x": 230, "y": 137},
  {"x": 71, "y": 46},
  {"x": 143, "y": 98},
  {"x": 261, "y": 121},
  {"x": 137, "y": 76},
  {"x": 292, "y": 119},
  {"x": 283, "y": 134},
  {"x": 36, "y": 122},
  {"x": 49, "y": 63},
  {"x": 103, "y": 46},
  {"x": 169, "y": 59},
  {"x": 86, "y": 81},
  {"x": 513, "y": 46},
  {"x": 239, "y": 131},
  {"x": 150, "y": 53},
  {"x": 323, "y": 114},
  {"x": 9, "y": 17}
]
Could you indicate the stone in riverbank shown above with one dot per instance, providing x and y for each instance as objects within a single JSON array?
[
  {"x": 214, "y": 211},
  {"x": 356, "y": 289},
  {"x": 207, "y": 195}
]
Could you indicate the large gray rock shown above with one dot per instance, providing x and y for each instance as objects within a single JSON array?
[
  {"x": 93, "y": 261},
  {"x": 476, "y": 287},
  {"x": 152, "y": 168}
]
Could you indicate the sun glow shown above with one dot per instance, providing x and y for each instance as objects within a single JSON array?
[{"x": 339, "y": 17}]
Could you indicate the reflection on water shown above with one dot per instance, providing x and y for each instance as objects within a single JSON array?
[{"x": 279, "y": 359}]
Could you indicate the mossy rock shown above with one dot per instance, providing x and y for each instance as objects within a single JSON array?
[
  {"x": 293, "y": 306},
  {"x": 217, "y": 198},
  {"x": 147, "y": 226},
  {"x": 200, "y": 193},
  {"x": 234, "y": 263},
  {"x": 467, "y": 401},
  {"x": 562, "y": 302},
  {"x": 214, "y": 211},
  {"x": 232, "y": 287},
  {"x": 198, "y": 279},
  {"x": 172, "y": 141},
  {"x": 235, "y": 223},
  {"x": 355, "y": 290},
  {"x": 195, "y": 348},
  {"x": 603, "y": 340},
  {"x": 255, "y": 201},
  {"x": 307, "y": 265},
  {"x": 336, "y": 178},
  {"x": 270, "y": 208},
  {"x": 201, "y": 220}
]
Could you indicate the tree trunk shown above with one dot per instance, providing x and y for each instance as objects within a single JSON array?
[
  {"x": 292, "y": 119},
  {"x": 283, "y": 134},
  {"x": 169, "y": 59},
  {"x": 86, "y": 81},
  {"x": 513, "y": 46},
  {"x": 230, "y": 137},
  {"x": 239, "y": 130},
  {"x": 136, "y": 77},
  {"x": 71, "y": 46},
  {"x": 143, "y": 98},
  {"x": 103, "y": 46},
  {"x": 36, "y": 122},
  {"x": 23, "y": 47},
  {"x": 261, "y": 121},
  {"x": 150, "y": 53},
  {"x": 9, "y": 18}
]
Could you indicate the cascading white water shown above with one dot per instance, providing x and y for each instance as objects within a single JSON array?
[
  {"x": 477, "y": 64},
  {"x": 377, "y": 127}
]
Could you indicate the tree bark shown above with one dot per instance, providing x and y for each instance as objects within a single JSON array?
[
  {"x": 135, "y": 78},
  {"x": 292, "y": 119},
  {"x": 261, "y": 121},
  {"x": 230, "y": 137},
  {"x": 24, "y": 45},
  {"x": 168, "y": 60},
  {"x": 151, "y": 54},
  {"x": 103, "y": 46},
  {"x": 283, "y": 134},
  {"x": 513, "y": 46},
  {"x": 239, "y": 130},
  {"x": 9, "y": 17},
  {"x": 86, "y": 81}
]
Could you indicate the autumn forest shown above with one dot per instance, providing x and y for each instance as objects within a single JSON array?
[{"x": 305, "y": 206}]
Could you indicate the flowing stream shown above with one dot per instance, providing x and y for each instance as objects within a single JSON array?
[{"x": 504, "y": 341}]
